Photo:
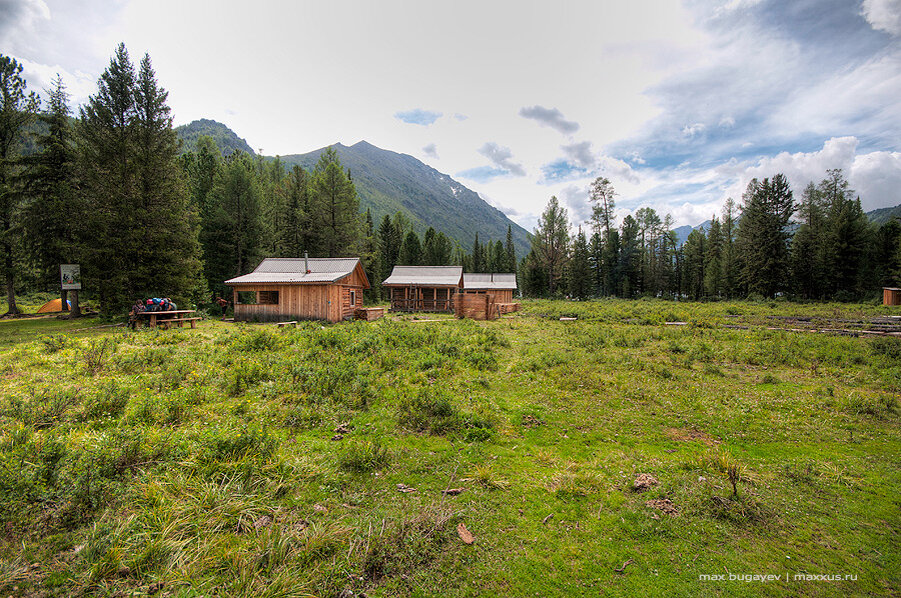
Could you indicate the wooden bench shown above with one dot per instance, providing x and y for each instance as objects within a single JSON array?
[
  {"x": 292, "y": 323},
  {"x": 166, "y": 319}
]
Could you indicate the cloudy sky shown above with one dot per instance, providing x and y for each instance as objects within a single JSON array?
[{"x": 679, "y": 105}]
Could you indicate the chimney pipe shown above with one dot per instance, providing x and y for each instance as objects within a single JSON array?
[{"x": 306, "y": 262}]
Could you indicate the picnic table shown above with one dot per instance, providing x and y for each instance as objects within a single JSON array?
[{"x": 167, "y": 319}]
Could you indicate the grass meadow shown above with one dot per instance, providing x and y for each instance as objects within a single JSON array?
[{"x": 610, "y": 455}]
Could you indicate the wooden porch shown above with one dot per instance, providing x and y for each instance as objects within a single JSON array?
[{"x": 416, "y": 298}]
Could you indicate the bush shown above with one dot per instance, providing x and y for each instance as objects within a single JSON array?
[
  {"x": 431, "y": 411},
  {"x": 887, "y": 347},
  {"x": 109, "y": 401},
  {"x": 364, "y": 457}
]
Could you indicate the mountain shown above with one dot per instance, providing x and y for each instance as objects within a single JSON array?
[
  {"x": 883, "y": 215},
  {"x": 224, "y": 137},
  {"x": 388, "y": 182}
]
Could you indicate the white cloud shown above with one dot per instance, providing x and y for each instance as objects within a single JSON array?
[
  {"x": 883, "y": 15},
  {"x": 579, "y": 154},
  {"x": 502, "y": 158},
  {"x": 430, "y": 150},
  {"x": 694, "y": 129}
]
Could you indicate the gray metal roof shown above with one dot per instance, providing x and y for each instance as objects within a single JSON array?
[
  {"x": 425, "y": 276},
  {"x": 501, "y": 281},
  {"x": 293, "y": 270}
]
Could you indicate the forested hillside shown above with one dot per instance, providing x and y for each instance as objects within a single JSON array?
[
  {"x": 388, "y": 182},
  {"x": 226, "y": 140}
]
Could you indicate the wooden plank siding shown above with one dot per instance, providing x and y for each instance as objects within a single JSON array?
[
  {"x": 330, "y": 302},
  {"x": 500, "y": 295}
]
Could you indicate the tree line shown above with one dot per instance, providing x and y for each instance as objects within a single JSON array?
[
  {"x": 111, "y": 191},
  {"x": 820, "y": 247}
]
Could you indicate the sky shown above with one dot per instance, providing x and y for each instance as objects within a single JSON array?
[{"x": 679, "y": 105}]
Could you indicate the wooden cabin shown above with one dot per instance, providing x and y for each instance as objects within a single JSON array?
[
  {"x": 501, "y": 285},
  {"x": 283, "y": 289},
  {"x": 891, "y": 296},
  {"x": 424, "y": 288}
]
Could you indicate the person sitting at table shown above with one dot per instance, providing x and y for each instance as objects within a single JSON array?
[{"x": 136, "y": 309}]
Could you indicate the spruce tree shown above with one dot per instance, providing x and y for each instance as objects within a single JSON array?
[
  {"x": 550, "y": 244},
  {"x": 232, "y": 237},
  {"x": 713, "y": 260},
  {"x": 763, "y": 237},
  {"x": 50, "y": 187},
  {"x": 141, "y": 233},
  {"x": 579, "y": 268},
  {"x": 509, "y": 252},
  {"x": 809, "y": 245},
  {"x": 335, "y": 210},
  {"x": 847, "y": 236},
  {"x": 410, "y": 250},
  {"x": 294, "y": 234},
  {"x": 18, "y": 108}
]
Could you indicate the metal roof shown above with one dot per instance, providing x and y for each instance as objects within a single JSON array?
[
  {"x": 294, "y": 270},
  {"x": 501, "y": 281},
  {"x": 425, "y": 276}
]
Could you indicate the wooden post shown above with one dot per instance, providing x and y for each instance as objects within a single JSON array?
[
  {"x": 63, "y": 296},
  {"x": 75, "y": 312}
]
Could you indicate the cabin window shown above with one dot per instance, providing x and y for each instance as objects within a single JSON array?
[
  {"x": 268, "y": 298},
  {"x": 247, "y": 297},
  {"x": 353, "y": 298}
]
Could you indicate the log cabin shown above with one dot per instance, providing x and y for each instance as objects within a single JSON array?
[
  {"x": 501, "y": 285},
  {"x": 424, "y": 288},
  {"x": 283, "y": 289}
]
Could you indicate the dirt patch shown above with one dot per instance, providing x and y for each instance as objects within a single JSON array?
[
  {"x": 691, "y": 435},
  {"x": 663, "y": 504},
  {"x": 644, "y": 481},
  {"x": 530, "y": 421}
]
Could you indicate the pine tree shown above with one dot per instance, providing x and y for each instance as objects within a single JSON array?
[
  {"x": 170, "y": 222},
  {"x": 389, "y": 243},
  {"x": 713, "y": 260},
  {"x": 410, "y": 250},
  {"x": 847, "y": 236},
  {"x": 18, "y": 108},
  {"x": 629, "y": 258},
  {"x": 579, "y": 268},
  {"x": 809, "y": 245},
  {"x": 730, "y": 261},
  {"x": 509, "y": 252},
  {"x": 295, "y": 232},
  {"x": 550, "y": 243},
  {"x": 50, "y": 187},
  {"x": 763, "y": 238},
  {"x": 141, "y": 235},
  {"x": 233, "y": 234},
  {"x": 693, "y": 264},
  {"x": 437, "y": 249},
  {"x": 335, "y": 210},
  {"x": 478, "y": 256},
  {"x": 371, "y": 257}
]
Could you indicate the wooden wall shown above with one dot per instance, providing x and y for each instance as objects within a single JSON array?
[
  {"x": 329, "y": 302},
  {"x": 500, "y": 295},
  {"x": 891, "y": 296}
]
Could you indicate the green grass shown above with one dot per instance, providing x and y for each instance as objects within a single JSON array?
[{"x": 202, "y": 462}]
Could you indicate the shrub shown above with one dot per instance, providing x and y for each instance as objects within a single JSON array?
[
  {"x": 887, "y": 347},
  {"x": 431, "y": 411},
  {"x": 97, "y": 352},
  {"x": 364, "y": 457},
  {"x": 55, "y": 342},
  {"x": 109, "y": 401}
]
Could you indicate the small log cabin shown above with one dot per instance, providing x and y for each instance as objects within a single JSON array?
[
  {"x": 301, "y": 289},
  {"x": 424, "y": 288},
  {"x": 500, "y": 285},
  {"x": 891, "y": 296}
]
